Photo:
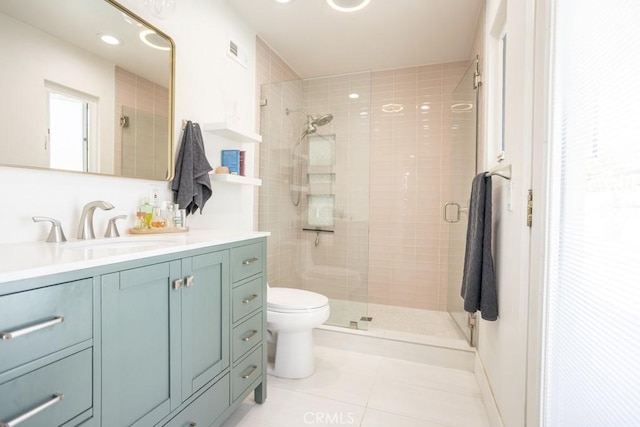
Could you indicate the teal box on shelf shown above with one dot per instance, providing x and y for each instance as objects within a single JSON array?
[{"x": 231, "y": 159}]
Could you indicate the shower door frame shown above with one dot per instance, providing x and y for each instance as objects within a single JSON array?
[{"x": 466, "y": 322}]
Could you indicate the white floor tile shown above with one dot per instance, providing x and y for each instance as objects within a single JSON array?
[
  {"x": 341, "y": 375},
  {"x": 375, "y": 418},
  {"x": 286, "y": 408},
  {"x": 445, "y": 379},
  {"x": 355, "y": 388},
  {"x": 442, "y": 407}
]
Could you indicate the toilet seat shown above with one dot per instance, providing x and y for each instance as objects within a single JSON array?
[{"x": 289, "y": 300}]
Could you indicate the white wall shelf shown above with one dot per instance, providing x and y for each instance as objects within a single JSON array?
[
  {"x": 235, "y": 179},
  {"x": 231, "y": 132}
]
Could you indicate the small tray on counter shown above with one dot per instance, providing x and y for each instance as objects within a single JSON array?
[{"x": 157, "y": 230}]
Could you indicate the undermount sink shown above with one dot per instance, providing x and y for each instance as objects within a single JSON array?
[{"x": 120, "y": 243}]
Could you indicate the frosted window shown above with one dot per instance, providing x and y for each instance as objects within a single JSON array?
[{"x": 591, "y": 373}]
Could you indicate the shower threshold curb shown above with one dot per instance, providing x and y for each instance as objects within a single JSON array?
[{"x": 440, "y": 352}]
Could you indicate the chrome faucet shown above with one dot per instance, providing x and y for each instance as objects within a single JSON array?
[{"x": 85, "y": 228}]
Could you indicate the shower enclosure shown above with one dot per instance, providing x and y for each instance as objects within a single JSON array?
[{"x": 356, "y": 170}]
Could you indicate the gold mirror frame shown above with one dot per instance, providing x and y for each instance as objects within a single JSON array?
[{"x": 124, "y": 133}]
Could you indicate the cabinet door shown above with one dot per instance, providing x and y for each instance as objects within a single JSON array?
[
  {"x": 205, "y": 319},
  {"x": 140, "y": 342}
]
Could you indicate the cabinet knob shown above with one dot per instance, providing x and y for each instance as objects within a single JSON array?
[
  {"x": 190, "y": 281},
  {"x": 192, "y": 424},
  {"x": 177, "y": 284}
]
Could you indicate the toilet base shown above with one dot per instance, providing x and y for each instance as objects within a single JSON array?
[{"x": 293, "y": 355}]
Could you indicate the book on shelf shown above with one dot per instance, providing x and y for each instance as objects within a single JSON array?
[
  {"x": 231, "y": 159},
  {"x": 241, "y": 166}
]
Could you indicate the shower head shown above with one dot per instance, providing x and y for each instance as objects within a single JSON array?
[
  {"x": 314, "y": 122},
  {"x": 323, "y": 120}
]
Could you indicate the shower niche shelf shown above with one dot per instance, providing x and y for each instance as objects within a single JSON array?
[
  {"x": 235, "y": 179},
  {"x": 231, "y": 132}
]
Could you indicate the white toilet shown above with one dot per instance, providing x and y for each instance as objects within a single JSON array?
[{"x": 291, "y": 316}]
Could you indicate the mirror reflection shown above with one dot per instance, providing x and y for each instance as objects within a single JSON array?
[{"x": 86, "y": 86}]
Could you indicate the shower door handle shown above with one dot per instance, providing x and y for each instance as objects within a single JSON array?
[
  {"x": 458, "y": 211},
  {"x": 446, "y": 210}
]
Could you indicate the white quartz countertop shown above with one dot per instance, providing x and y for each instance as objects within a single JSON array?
[{"x": 27, "y": 260}]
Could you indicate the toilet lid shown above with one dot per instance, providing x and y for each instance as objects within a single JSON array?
[{"x": 294, "y": 299}]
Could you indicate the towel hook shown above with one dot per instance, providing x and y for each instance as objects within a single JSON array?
[{"x": 501, "y": 171}]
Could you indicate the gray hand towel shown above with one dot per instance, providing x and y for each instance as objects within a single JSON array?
[
  {"x": 191, "y": 184},
  {"x": 478, "y": 280}
]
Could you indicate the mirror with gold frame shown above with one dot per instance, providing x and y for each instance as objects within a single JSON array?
[{"x": 72, "y": 101}]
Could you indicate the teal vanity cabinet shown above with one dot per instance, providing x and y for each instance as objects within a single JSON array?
[
  {"x": 167, "y": 340},
  {"x": 46, "y": 352},
  {"x": 165, "y": 334}
]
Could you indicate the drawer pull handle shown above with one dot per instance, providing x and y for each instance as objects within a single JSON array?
[
  {"x": 249, "y": 372},
  {"x": 30, "y": 329},
  {"x": 190, "y": 281},
  {"x": 24, "y": 417},
  {"x": 250, "y": 261},
  {"x": 248, "y": 300},
  {"x": 251, "y": 335}
]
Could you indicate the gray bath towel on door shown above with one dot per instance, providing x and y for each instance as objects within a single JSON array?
[
  {"x": 191, "y": 184},
  {"x": 478, "y": 279}
]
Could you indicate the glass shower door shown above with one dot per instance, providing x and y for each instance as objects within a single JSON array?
[
  {"x": 464, "y": 114},
  {"x": 314, "y": 197}
]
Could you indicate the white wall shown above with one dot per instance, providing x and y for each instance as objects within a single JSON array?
[
  {"x": 207, "y": 81},
  {"x": 502, "y": 344}
]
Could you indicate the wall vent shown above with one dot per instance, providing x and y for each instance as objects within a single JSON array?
[
  {"x": 233, "y": 48},
  {"x": 235, "y": 52}
]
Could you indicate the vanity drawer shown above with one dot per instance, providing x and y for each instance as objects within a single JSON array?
[
  {"x": 247, "y": 371},
  {"x": 247, "y": 298},
  {"x": 246, "y": 261},
  {"x": 62, "y": 390},
  {"x": 205, "y": 409},
  {"x": 42, "y": 321},
  {"x": 246, "y": 335}
]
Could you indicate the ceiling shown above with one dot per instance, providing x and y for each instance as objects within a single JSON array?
[{"x": 316, "y": 40}]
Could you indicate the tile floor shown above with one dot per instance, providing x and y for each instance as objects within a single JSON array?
[{"x": 352, "y": 388}]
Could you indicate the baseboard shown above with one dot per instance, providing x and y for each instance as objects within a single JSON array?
[{"x": 493, "y": 414}]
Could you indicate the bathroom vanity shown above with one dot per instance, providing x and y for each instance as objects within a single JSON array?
[{"x": 144, "y": 331}]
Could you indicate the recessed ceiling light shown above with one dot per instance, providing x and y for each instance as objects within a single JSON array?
[
  {"x": 109, "y": 39},
  {"x": 282, "y": 1},
  {"x": 354, "y": 96},
  {"x": 152, "y": 39},
  {"x": 425, "y": 106},
  {"x": 348, "y": 5}
]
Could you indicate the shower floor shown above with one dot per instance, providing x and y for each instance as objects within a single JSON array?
[{"x": 398, "y": 323}]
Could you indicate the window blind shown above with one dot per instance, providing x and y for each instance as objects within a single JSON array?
[{"x": 591, "y": 372}]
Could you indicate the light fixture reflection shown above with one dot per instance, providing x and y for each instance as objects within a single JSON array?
[
  {"x": 463, "y": 106},
  {"x": 152, "y": 39},
  {"x": 392, "y": 108},
  {"x": 348, "y": 5}
]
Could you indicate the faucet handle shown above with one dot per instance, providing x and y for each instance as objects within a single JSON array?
[
  {"x": 112, "y": 229},
  {"x": 56, "y": 235}
]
